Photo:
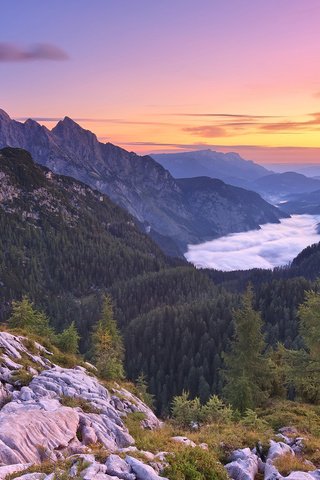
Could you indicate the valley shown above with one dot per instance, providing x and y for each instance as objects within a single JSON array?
[{"x": 270, "y": 246}]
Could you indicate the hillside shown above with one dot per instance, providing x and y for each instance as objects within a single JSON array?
[
  {"x": 285, "y": 184},
  {"x": 139, "y": 184},
  {"x": 64, "y": 242},
  {"x": 61, "y": 422},
  {"x": 67, "y": 245}
]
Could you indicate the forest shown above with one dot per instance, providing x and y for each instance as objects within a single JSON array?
[{"x": 66, "y": 247}]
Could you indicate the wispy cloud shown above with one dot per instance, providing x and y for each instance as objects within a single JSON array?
[
  {"x": 221, "y": 115},
  {"x": 207, "y": 131},
  {"x": 10, "y": 52},
  {"x": 271, "y": 246}
]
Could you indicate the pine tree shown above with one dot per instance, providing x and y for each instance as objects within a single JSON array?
[
  {"x": 68, "y": 340},
  {"x": 25, "y": 317},
  {"x": 108, "y": 345},
  {"x": 246, "y": 367},
  {"x": 304, "y": 364},
  {"x": 142, "y": 386}
]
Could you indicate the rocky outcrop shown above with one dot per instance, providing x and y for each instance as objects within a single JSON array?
[
  {"x": 62, "y": 412},
  {"x": 246, "y": 463}
]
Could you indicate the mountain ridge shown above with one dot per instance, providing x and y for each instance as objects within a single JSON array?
[{"x": 137, "y": 183}]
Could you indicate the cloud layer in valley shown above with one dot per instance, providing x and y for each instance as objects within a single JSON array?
[
  {"x": 273, "y": 245},
  {"x": 10, "y": 52}
]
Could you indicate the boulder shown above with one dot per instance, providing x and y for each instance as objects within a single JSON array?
[
  {"x": 118, "y": 467},
  {"x": 9, "y": 469},
  {"x": 277, "y": 449},
  {"x": 270, "y": 471},
  {"x": 32, "y": 476},
  {"x": 185, "y": 440},
  {"x": 245, "y": 465},
  {"x": 142, "y": 471}
]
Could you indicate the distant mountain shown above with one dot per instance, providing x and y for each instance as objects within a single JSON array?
[
  {"x": 137, "y": 183},
  {"x": 232, "y": 209},
  {"x": 229, "y": 167},
  {"x": 284, "y": 184},
  {"x": 303, "y": 203}
]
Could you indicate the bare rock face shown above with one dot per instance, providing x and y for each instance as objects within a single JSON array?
[
  {"x": 35, "y": 425},
  {"x": 29, "y": 435}
]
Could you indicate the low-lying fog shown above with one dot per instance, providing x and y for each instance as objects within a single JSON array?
[{"x": 272, "y": 246}]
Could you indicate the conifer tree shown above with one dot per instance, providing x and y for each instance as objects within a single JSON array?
[
  {"x": 25, "y": 317},
  {"x": 108, "y": 345},
  {"x": 304, "y": 364},
  {"x": 246, "y": 367},
  {"x": 68, "y": 340},
  {"x": 142, "y": 386}
]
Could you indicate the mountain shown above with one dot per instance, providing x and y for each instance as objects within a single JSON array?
[
  {"x": 303, "y": 203},
  {"x": 280, "y": 185},
  {"x": 229, "y": 167},
  {"x": 64, "y": 242},
  {"x": 137, "y": 183},
  {"x": 232, "y": 209},
  {"x": 233, "y": 169}
]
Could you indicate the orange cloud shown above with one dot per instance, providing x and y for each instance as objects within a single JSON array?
[{"x": 207, "y": 131}]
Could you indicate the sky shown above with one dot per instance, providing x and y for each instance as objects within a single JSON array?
[{"x": 170, "y": 75}]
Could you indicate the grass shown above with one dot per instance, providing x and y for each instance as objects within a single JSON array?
[
  {"x": 78, "y": 402},
  {"x": 291, "y": 463},
  {"x": 22, "y": 377},
  {"x": 60, "y": 468}
]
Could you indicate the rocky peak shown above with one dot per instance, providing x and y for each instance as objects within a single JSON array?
[
  {"x": 69, "y": 130},
  {"x": 4, "y": 117}
]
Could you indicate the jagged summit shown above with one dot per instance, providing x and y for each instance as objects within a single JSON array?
[
  {"x": 137, "y": 183},
  {"x": 4, "y": 116}
]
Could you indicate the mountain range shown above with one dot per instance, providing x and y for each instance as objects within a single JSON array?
[
  {"x": 233, "y": 169},
  {"x": 229, "y": 167},
  {"x": 169, "y": 210}
]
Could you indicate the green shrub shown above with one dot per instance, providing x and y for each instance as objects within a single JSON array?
[
  {"x": 215, "y": 411},
  {"x": 194, "y": 464},
  {"x": 186, "y": 411}
]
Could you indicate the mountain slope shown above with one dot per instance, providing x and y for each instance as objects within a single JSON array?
[
  {"x": 64, "y": 242},
  {"x": 283, "y": 184},
  {"x": 234, "y": 209},
  {"x": 229, "y": 167},
  {"x": 139, "y": 184},
  {"x": 303, "y": 203}
]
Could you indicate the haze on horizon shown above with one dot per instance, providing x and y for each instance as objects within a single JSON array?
[{"x": 170, "y": 75}]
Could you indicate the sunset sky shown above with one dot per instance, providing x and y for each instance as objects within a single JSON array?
[{"x": 240, "y": 75}]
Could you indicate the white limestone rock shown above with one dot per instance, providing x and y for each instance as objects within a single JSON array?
[
  {"x": 118, "y": 467},
  {"x": 9, "y": 469},
  {"x": 27, "y": 434},
  {"x": 245, "y": 465},
  {"x": 277, "y": 449},
  {"x": 141, "y": 470},
  {"x": 184, "y": 440}
]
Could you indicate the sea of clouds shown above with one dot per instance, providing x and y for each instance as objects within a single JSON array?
[{"x": 271, "y": 246}]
